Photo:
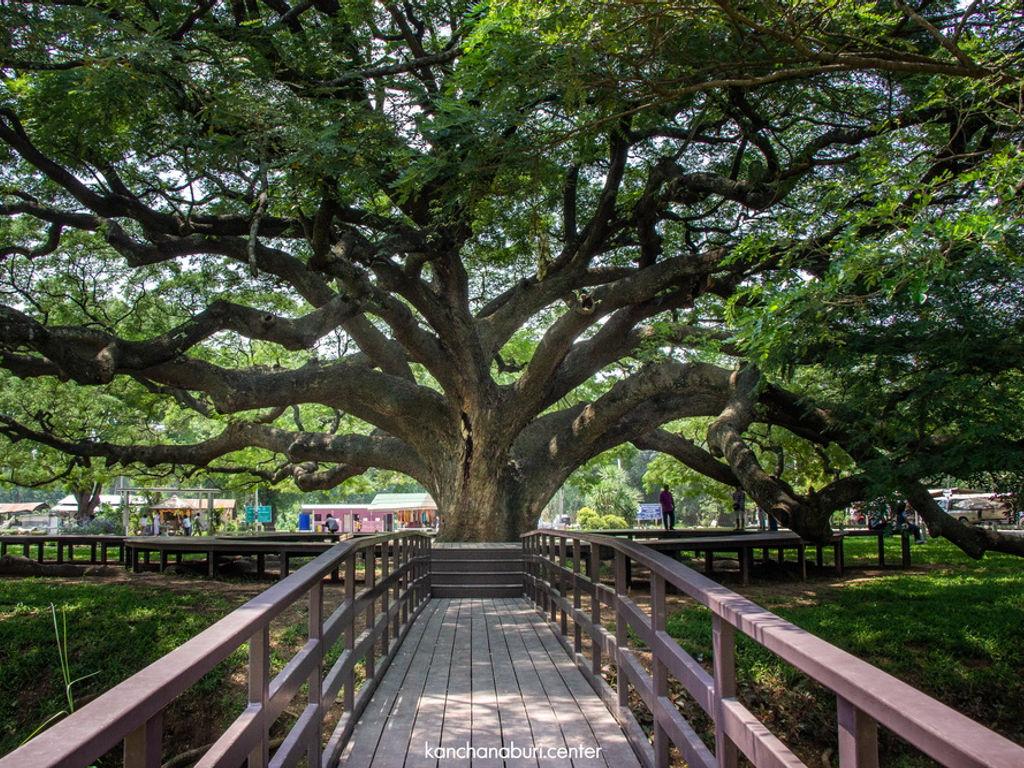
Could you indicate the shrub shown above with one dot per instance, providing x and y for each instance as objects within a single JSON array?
[
  {"x": 96, "y": 527},
  {"x": 588, "y": 519},
  {"x": 614, "y": 521}
]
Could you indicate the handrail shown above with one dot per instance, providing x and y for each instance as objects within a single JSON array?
[
  {"x": 866, "y": 696},
  {"x": 131, "y": 711}
]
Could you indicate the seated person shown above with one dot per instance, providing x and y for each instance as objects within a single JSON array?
[
  {"x": 877, "y": 522},
  {"x": 903, "y": 524}
]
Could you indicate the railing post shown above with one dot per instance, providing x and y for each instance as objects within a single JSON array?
[
  {"x": 858, "y": 737},
  {"x": 385, "y": 597},
  {"x": 594, "y": 563},
  {"x": 723, "y": 640},
  {"x": 369, "y": 582},
  {"x": 315, "y": 682},
  {"x": 542, "y": 572},
  {"x": 143, "y": 747},
  {"x": 535, "y": 553},
  {"x": 421, "y": 551},
  {"x": 556, "y": 578},
  {"x": 536, "y": 550},
  {"x": 349, "y": 695},
  {"x": 259, "y": 687},
  {"x": 659, "y": 673},
  {"x": 423, "y": 571},
  {"x": 396, "y": 589},
  {"x": 621, "y": 636},
  {"x": 524, "y": 545},
  {"x": 563, "y": 581},
  {"x": 577, "y": 631},
  {"x": 404, "y": 579}
]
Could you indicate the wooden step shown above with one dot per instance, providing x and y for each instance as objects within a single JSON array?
[
  {"x": 465, "y": 553},
  {"x": 476, "y": 577},
  {"x": 493, "y": 590},
  {"x": 474, "y": 566}
]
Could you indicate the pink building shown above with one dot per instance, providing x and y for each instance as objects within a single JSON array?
[{"x": 387, "y": 512}]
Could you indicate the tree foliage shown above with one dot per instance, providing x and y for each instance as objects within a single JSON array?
[{"x": 480, "y": 245}]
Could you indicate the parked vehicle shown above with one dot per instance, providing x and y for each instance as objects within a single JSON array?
[{"x": 976, "y": 508}]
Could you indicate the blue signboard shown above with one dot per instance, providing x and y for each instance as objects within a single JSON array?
[
  {"x": 649, "y": 513},
  {"x": 250, "y": 515},
  {"x": 265, "y": 514}
]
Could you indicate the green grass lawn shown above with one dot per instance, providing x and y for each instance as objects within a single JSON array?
[
  {"x": 951, "y": 626},
  {"x": 114, "y": 629}
]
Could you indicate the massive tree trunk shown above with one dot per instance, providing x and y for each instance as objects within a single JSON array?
[{"x": 87, "y": 500}]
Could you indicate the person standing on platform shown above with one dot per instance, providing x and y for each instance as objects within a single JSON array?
[
  {"x": 186, "y": 524},
  {"x": 739, "y": 506},
  {"x": 668, "y": 508}
]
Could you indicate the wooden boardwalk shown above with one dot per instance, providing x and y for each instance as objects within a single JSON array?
[{"x": 488, "y": 674}]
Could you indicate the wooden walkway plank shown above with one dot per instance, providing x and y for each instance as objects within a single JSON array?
[
  {"x": 430, "y": 707},
  {"x": 544, "y": 722},
  {"x": 396, "y": 741},
  {"x": 575, "y": 729},
  {"x": 392, "y": 744},
  {"x": 457, "y": 728},
  {"x": 486, "y": 723},
  {"x": 488, "y": 674},
  {"x": 615, "y": 747},
  {"x": 512, "y": 709}
]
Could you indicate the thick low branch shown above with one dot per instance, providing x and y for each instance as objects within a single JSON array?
[
  {"x": 93, "y": 356},
  {"x": 818, "y": 425},
  {"x": 312, "y": 478},
  {"x": 234, "y": 437},
  {"x": 376, "y": 450},
  {"x": 772, "y": 494},
  {"x": 379, "y": 398},
  {"x": 689, "y": 453},
  {"x": 973, "y": 540}
]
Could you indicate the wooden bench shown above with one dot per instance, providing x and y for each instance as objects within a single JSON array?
[{"x": 880, "y": 535}]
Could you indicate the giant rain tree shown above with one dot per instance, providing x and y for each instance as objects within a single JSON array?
[{"x": 480, "y": 244}]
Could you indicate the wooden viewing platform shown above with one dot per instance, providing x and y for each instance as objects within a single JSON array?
[
  {"x": 395, "y": 675},
  {"x": 98, "y": 547}
]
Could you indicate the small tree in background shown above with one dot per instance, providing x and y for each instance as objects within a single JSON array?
[{"x": 613, "y": 495}]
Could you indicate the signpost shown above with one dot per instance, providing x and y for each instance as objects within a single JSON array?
[
  {"x": 649, "y": 513},
  {"x": 259, "y": 514}
]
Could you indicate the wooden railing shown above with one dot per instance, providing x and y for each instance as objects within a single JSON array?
[
  {"x": 396, "y": 586},
  {"x": 98, "y": 546},
  {"x": 865, "y": 695}
]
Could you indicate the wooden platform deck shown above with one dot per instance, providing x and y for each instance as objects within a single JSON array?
[{"x": 486, "y": 674}]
